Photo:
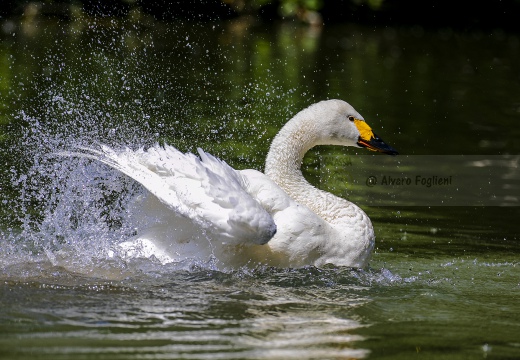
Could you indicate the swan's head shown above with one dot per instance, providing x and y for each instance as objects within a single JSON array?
[{"x": 341, "y": 124}]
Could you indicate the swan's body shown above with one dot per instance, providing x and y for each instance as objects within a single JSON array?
[{"x": 202, "y": 207}]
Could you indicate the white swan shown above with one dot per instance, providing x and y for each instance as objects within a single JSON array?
[{"x": 202, "y": 207}]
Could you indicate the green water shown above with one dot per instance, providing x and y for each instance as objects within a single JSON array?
[{"x": 443, "y": 283}]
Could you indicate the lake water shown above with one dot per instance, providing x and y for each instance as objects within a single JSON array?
[{"x": 443, "y": 283}]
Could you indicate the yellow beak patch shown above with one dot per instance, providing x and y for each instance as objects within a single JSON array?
[{"x": 364, "y": 130}]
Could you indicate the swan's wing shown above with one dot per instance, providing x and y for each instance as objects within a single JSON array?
[
  {"x": 301, "y": 233},
  {"x": 204, "y": 189}
]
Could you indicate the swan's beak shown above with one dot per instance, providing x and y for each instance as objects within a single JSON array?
[
  {"x": 371, "y": 141},
  {"x": 376, "y": 144}
]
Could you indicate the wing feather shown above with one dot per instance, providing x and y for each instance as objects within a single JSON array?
[{"x": 204, "y": 189}]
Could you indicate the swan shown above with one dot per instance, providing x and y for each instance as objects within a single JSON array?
[{"x": 202, "y": 208}]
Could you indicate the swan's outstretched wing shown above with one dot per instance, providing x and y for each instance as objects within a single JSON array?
[{"x": 205, "y": 190}]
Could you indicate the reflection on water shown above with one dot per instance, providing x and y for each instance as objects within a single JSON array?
[
  {"x": 228, "y": 87},
  {"x": 195, "y": 314}
]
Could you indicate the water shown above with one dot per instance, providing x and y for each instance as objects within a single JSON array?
[{"x": 443, "y": 281}]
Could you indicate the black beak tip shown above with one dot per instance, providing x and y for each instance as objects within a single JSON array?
[{"x": 376, "y": 144}]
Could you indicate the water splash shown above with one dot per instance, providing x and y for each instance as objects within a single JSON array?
[{"x": 71, "y": 211}]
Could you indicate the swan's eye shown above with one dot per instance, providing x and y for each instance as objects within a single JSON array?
[{"x": 351, "y": 118}]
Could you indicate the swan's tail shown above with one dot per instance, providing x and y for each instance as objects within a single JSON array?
[{"x": 205, "y": 190}]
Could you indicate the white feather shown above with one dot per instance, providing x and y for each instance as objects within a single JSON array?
[{"x": 205, "y": 190}]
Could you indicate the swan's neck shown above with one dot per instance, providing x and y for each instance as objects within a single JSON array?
[
  {"x": 283, "y": 163},
  {"x": 284, "y": 160}
]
